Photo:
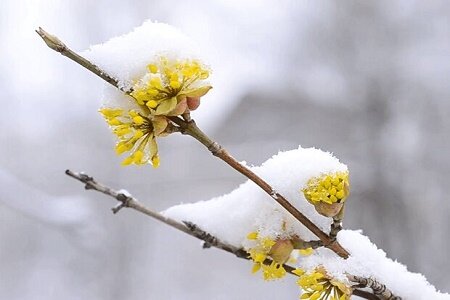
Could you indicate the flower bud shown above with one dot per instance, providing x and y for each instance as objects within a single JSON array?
[
  {"x": 193, "y": 102},
  {"x": 328, "y": 210},
  {"x": 281, "y": 251},
  {"x": 328, "y": 193}
]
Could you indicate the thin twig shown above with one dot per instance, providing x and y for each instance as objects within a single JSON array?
[
  {"x": 365, "y": 294},
  {"x": 301, "y": 244},
  {"x": 188, "y": 126},
  {"x": 126, "y": 200},
  {"x": 129, "y": 201},
  {"x": 378, "y": 289},
  {"x": 56, "y": 44},
  {"x": 336, "y": 226}
]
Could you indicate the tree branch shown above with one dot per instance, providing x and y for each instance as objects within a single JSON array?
[
  {"x": 126, "y": 200},
  {"x": 56, "y": 44},
  {"x": 189, "y": 127},
  {"x": 365, "y": 294},
  {"x": 378, "y": 289}
]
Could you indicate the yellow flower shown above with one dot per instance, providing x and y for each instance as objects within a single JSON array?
[
  {"x": 252, "y": 235},
  {"x": 136, "y": 133},
  {"x": 319, "y": 285},
  {"x": 329, "y": 188},
  {"x": 277, "y": 250},
  {"x": 328, "y": 193},
  {"x": 306, "y": 252},
  {"x": 273, "y": 271},
  {"x": 169, "y": 84}
]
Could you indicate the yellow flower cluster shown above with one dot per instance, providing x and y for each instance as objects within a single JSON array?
[
  {"x": 164, "y": 89},
  {"x": 136, "y": 133},
  {"x": 260, "y": 253},
  {"x": 169, "y": 88},
  {"x": 318, "y": 285},
  {"x": 329, "y": 188}
]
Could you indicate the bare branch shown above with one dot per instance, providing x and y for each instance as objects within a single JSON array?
[
  {"x": 336, "y": 226},
  {"x": 56, "y": 44},
  {"x": 365, "y": 294},
  {"x": 301, "y": 244},
  {"x": 379, "y": 289},
  {"x": 126, "y": 200}
]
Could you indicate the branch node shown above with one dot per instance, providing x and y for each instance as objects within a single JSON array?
[
  {"x": 89, "y": 186},
  {"x": 187, "y": 116},
  {"x": 301, "y": 244},
  {"x": 378, "y": 288},
  {"x": 124, "y": 202},
  {"x": 215, "y": 148},
  {"x": 208, "y": 239},
  {"x": 336, "y": 226},
  {"x": 274, "y": 194},
  {"x": 117, "y": 208}
]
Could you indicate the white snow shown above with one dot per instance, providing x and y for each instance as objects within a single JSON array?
[
  {"x": 126, "y": 57},
  {"x": 231, "y": 217},
  {"x": 368, "y": 261},
  {"x": 125, "y": 192},
  {"x": 247, "y": 209}
]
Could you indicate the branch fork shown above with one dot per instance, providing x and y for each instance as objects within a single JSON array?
[{"x": 187, "y": 126}]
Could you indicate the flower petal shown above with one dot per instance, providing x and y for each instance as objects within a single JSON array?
[
  {"x": 198, "y": 92},
  {"x": 153, "y": 147},
  {"x": 159, "y": 125},
  {"x": 179, "y": 109},
  {"x": 166, "y": 106}
]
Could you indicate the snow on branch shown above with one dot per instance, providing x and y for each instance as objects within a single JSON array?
[
  {"x": 126, "y": 200},
  {"x": 158, "y": 79}
]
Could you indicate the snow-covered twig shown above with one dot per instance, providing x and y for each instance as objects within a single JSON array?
[
  {"x": 126, "y": 200},
  {"x": 379, "y": 289},
  {"x": 188, "y": 126}
]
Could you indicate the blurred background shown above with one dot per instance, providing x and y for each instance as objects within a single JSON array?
[{"x": 365, "y": 80}]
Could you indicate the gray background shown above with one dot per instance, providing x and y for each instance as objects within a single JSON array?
[{"x": 365, "y": 80}]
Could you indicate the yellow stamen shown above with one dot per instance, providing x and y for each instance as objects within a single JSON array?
[
  {"x": 152, "y": 68},
  {"x": 127, "y": 161},
  {"x": 138, "y": 120},
  {"x": 137, "y": 157},
  {"x": 252, "y": 235},
  {"x": 155, "y": 161},
  {"x": 152, "y": 104}
]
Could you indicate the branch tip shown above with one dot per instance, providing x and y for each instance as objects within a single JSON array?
[
  {"x": 52, "y": 41},
  {"x": 117, "y": 208}
]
